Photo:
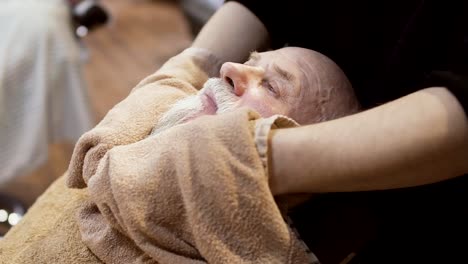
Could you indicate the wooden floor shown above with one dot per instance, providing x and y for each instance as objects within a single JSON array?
[{"x": 139, "y": 38}]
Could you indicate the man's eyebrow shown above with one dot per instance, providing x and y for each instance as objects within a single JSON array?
[
  {"x": 254, "y": 57},
  {"x": 284, "y": 74}
]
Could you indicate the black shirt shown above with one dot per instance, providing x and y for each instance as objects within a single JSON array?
[{"x": 387, "y": 49}]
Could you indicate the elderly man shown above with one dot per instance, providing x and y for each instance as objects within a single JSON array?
[
  {"x": 199, "y": 179},
  {"x": 179, "y": 196}
]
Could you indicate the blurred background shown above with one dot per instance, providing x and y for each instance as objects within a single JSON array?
[{"x": 63, "y": 65}]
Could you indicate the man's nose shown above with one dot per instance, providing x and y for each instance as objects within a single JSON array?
[{"x": 238, "y": 76}]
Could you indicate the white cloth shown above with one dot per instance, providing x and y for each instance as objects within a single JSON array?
[{"x": 42, "y": 94}]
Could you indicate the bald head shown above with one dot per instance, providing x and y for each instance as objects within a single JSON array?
[{"x": 326, "y": 91}]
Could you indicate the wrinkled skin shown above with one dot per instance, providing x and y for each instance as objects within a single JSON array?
[{"x": 295, "y": 82}]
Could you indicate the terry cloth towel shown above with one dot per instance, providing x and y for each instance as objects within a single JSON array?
[
  {"x": 49, "y": 233},
  {"x": 158, "y": 226},
  {"x": 194, "y": 193},
  {"x": 133, "y": 118}
]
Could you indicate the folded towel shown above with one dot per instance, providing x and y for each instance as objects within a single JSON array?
[
  {"x": 195, "y": 193},
  {"x": 133, "y": 119},
  {"x": 49, "y": 232}
]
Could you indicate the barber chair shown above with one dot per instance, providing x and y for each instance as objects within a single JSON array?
[{"x": 87, "y": 15}]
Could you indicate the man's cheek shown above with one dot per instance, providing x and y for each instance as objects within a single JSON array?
[{"x": 264, "y": 108}]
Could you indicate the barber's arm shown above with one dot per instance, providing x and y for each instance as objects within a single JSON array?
[
  {"x": 418, "y": 139},
  {"x": 232, "y": 33}
]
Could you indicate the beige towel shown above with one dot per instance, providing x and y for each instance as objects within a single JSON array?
[
  {"x": 196, "y": 192},
  {"x": 48, "y": 233},
  {"x": 151, "y": 202},
  {"x": 133, "y": 119},
  {"x": 149, "y": 190}
]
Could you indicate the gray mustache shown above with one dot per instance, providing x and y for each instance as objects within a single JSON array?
[
  {"x": 189, "y": 107},
  {"x": 222, "y": 92}
]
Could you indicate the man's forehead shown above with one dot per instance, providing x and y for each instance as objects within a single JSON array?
[{"x": 278, "y": 68}]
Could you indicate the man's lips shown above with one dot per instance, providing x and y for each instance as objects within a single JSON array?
[{"x": 209, "y": 104}]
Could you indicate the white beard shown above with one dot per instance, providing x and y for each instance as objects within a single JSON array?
[{"x": 192, "y": 106}]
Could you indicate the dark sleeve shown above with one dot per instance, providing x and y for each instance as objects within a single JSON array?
[
  {"x": 275, "y": 15},
  {"x": 453, "y": 72},
  {"x": 287, "y": 22}
]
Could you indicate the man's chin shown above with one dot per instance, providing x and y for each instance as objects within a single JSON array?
[
  {"x": 197, "y": 115},
  {"x": 208, "y": 108}
]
